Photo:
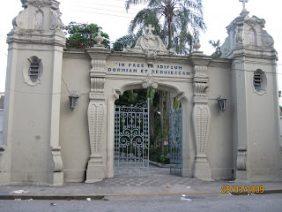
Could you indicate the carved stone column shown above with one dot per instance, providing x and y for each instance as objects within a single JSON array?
[
  {"x": 97, "y": 116},
  {"x": 242, "y": 159},
  {"x": 58, "y": 176},
  {"x": 201, "y": 119}
]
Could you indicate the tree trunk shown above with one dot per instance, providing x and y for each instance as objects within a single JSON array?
[
  {"x": 167, "y": 112},
  {"x": 152, "y": 125},
  {"x": 162, "y": 120},
  {"x": 169, "y": 21}
]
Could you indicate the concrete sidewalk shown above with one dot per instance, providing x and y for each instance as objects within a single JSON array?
[{"x": 155, "y": 185}]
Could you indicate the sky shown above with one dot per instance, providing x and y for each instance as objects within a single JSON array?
[{"x": 114, "y": 19}]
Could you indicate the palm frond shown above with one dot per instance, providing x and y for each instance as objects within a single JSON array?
[
  {"x": 155, "y": 3},
  {"x": 144, "y": 18},
  {"x": 177, "y": 22},
  {"x": 123, "y": 42},
  {"x": 195, "y": 5},
  {"x": 128, "y": 3}
]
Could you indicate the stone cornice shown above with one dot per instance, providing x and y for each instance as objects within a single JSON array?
[
  {"x": 199, "y": 59},
  {"x": 189, "y": 59},
  {"x": 220, "y": 62},
  {"x": 144, "y": 56},
  {"x": 257, "y": 54},
  {"x": 98, "y": 53},
  {"x": 36, "y": 37}
]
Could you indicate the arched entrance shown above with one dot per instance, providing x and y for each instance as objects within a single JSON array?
[
  {"x": 140, "y": 68},
  {"x": 148, "y": 133}
]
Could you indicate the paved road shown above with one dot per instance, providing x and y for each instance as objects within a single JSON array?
[{"x": 269, "y": 203}]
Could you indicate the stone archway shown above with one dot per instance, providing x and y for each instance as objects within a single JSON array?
[
  {"x": 135, "y": 159},
  {"x": 113, "y": 72}
]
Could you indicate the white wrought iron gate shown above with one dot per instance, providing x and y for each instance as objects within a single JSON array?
[
  {"x": 132, "y": 138},
  {"x": 175, "y": 141}
]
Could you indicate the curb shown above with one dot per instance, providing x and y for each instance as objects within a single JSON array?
[
  {"x": 51, "y": 197},
  {"x": 274, "y": 191},
  {"x": 103, "y": 197}
]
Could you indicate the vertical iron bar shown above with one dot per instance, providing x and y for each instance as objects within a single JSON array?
[{"x": 148, "y": 131}]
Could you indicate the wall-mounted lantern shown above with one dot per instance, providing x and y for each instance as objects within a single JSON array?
[
  {"x": 73, "y": 100},
  {"x": 221, "y": 102}
]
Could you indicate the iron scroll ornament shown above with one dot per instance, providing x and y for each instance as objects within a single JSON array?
[{"x": 132, "y": 136}]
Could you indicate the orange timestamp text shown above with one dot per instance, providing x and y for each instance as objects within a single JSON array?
[{"x": 242, "y": 189}]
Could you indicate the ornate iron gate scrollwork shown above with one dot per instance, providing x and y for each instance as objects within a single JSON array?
[
  {"x": 132, "y": 139},
  {"x": 175, "y": 141}
]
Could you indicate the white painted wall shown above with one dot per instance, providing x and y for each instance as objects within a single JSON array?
[
  {"x": 280, "y": 120},
  {"x": 1, "y": 117},
  {"x": 221, "y": 140},
  {"x": 280, "y": 125},
  {"x": 74, "y": 134},
  {"x": 1, "y": 126}
]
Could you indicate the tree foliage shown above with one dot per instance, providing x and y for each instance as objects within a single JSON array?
[
  {"x": 82, "y": 35},
  {"x": 177, "y": 22},
  {"x": 133, "y": 97},
  {"x": 159, "y": 118},
  {"x": 124, "y": 42}
]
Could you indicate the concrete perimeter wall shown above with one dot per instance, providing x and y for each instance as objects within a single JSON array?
[
  {"x": 74, "y": 133},
  {"x": 1, "y": 125},
  {"x": 1, "y": 116},
  {"x": 221, "y": 130}
]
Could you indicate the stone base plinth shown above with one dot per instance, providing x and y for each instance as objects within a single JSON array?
[
  {"x": 242, "y": 160},
  {"x": 4, "y": 178},
  {"x": 202, "y": 169},
  {"x": 4, "y": 175},
  {"x": 95, "y": 170},
  {"x": 58, "y": 178}
]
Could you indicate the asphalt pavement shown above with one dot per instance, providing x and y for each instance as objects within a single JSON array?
[{"x": 175, "y": 203}]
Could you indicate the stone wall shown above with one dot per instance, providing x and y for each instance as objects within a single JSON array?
[
  {"x": 280, "y": 127},
  {"x": 280, "y": 120},
  {"x": 221, "y": 131},
  {"x": 280, "y": 162},
  {"x": 1, "y": 117},
  {"x": 1, "y": 101},
  {"x": 74, "y": 133},
  {"x": 1, "y": 125}
]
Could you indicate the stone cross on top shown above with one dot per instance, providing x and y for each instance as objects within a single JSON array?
[
  {"x": 244, "y": 3},
  {"x": 149, "y": 29}
]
